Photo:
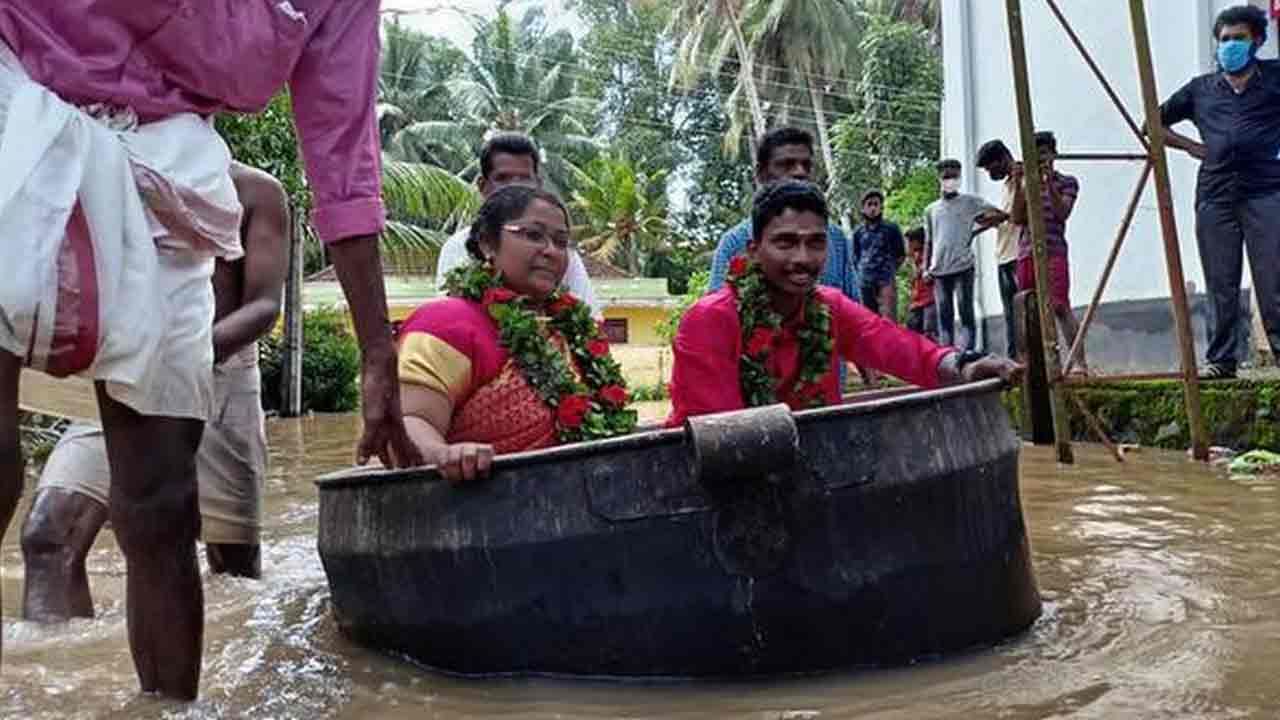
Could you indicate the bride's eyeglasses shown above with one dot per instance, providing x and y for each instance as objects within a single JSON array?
[{"x": 538, "y": 235}]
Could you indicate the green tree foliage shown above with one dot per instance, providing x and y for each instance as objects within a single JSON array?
[
  {"x": 269, "y": 142},
  {"x": 330, "y": 364},
  {"x": 621, "y": 221},
  {"x": 624, "y": 63},
  {"x": 803, "y": 48},
  {"x": 896, "y": 124},
  {"x": 711, "y": 43},
  {"x": 412, "y": 83},
  {"x": 910, "y": 195},
  {"x": 717, "y": 188},
  {"x": 925, "y": 13},
  {"x": 520, "y": 78},
  {"x": 678, "y": 263},
  {"x": 905, "y": 205},
  {"x": 425, "y": 204}
]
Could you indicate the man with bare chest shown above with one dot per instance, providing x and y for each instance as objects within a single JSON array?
[{"x": 72, "y": 498}]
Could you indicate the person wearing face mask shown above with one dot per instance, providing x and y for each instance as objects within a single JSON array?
[
  {"x": 950, "y": 224},
  {"x": 1237, "y": 113}
]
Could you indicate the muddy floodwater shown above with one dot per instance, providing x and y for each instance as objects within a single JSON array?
[{"x": 1161, "y": 581}]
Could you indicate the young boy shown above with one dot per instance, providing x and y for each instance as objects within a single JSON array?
[
  {"x": 922, "y": 316},
  {"x": 773, "y": 335},
  {"x": 950, "y": 224}
]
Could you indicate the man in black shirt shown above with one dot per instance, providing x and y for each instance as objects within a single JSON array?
[{"x": 1237, "y": 112}]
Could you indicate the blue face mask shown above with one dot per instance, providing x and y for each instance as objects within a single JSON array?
[{"x": 1235, "y": 55}]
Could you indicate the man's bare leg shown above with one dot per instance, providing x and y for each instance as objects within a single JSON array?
[
  {"x": 238, "y": 560},
  {"x": 56, "y": 538},
  {"x": 10, "y": 445},
  {"x": 155, "y": 514}
]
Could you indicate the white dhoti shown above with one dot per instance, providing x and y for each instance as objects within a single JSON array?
[
  {"x": 108, "y": 232},
  {"x": 230, "y": 464}
]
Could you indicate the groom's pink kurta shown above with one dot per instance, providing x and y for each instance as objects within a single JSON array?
[{"x": 709, "y": 344}]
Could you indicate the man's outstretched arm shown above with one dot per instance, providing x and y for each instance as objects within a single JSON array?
[
  {"x": 334, "y": 94},
  {"x": 359, "y": 268}
]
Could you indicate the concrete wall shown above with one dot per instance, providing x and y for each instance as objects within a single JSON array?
[{"x": 979, "y": 105}]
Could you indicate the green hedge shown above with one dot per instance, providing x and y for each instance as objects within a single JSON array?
[
  {"x": 330, "y": 364},
  {"x": 1239, "y": 414}
]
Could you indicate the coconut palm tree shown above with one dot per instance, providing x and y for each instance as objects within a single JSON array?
[
  {"x": 520, "y": 79},
  {"x": 425, "y": 204},
  {"x": 804, "y": 47},
  {"x": 710, "y": 34},
  {"x": 622, "y": 212},
  {"x": 412, "y": 76}
]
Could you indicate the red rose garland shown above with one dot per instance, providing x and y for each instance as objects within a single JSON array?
[
  {"x": 590, "y": 409},
  {"x": 761, "y": 325}
]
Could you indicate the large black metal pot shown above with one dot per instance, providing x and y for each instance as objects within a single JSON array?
[{"x": 757, "y": 542}]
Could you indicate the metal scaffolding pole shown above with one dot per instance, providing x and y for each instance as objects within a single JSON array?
[
  {"x": 1035, "y": 222},
  {"x": 1168, "y": 228},
  {"x": 1097, "y": 72},
  {"x": 1078, "y": 346}
]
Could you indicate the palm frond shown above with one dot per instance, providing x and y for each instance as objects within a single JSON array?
[
  {"x": 475, "y": 99},
  {"x": 426, "y": 196},
  {"x": 406, "y": 246}
]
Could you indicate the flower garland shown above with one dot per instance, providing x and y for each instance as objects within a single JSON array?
[
  {"x": 761, "y": 328},
  {"x": 590, "y": 411}
]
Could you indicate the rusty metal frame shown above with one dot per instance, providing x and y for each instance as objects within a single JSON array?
[{"x": 1155, "y": 164}]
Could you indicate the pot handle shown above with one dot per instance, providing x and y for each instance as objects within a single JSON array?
[{"x": 731, "y": 448}]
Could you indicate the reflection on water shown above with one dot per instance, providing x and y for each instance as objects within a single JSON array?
[{"x": 1160, "y": 578}]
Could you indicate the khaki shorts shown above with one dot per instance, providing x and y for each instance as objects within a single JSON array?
[{"x": 230, "y": 465}]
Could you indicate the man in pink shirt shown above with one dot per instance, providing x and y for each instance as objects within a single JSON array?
[
  {"x": 106, "y": 142},
  {"x": 773, "y": 335}
]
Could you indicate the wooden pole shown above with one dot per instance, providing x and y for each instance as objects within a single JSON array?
[
  {"x": 1169, "y": 228},
  {"x": 1077, "y": 347},
  {"x": 291, "y": 365},
  {"x": 1037, "y": 393},
  {"x": 1096, "y": 426},
  {"x": 1035, "y": 223}
]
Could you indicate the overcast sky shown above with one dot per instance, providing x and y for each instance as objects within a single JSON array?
[{"x": 452, "y": 19}]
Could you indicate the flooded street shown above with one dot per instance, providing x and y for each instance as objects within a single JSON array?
[{"x": 1161, "y": 581}]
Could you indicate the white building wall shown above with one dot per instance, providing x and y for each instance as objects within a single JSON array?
[{"x": 1066, "y": 98}]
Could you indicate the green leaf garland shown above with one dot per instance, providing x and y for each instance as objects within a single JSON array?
[
  {"x": 761, "y": 328},
  {"x": 591, "y": 409}
]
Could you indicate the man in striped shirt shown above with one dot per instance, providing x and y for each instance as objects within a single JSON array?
[{"x": 1058, "y": 193}]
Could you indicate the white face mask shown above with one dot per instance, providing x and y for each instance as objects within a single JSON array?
[{"x": 950, "y": 186}]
